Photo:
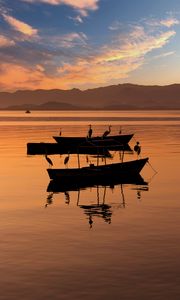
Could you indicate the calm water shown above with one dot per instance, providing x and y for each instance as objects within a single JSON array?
[{"x": 48, "y": 249}]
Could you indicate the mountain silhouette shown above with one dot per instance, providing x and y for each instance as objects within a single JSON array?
[{"x": 122, "y": 96}]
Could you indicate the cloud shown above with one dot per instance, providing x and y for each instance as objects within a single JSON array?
[
  {"x": 20, "y": 26},
  {"x": 13, "y": 77},
  {"x": 115, "y": 25},
  {"x": 60, "y": 65},
  {"x": 77, "y": 19},
  {"x": 168, "y": 22},
  {"x": 70, "y": 40},
  {"x": 164, "y": 54},
  {"x": 114, "y": 61},
  {"x": 6, "y": 42},
  {"x": 81, "y": 5}
]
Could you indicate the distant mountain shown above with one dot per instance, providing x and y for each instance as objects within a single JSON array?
[
  {"x": 122, "y": 96},
  {"x": 44, "y": 106}
]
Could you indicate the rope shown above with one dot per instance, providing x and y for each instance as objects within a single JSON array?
[{"x": 152, "y": 167}]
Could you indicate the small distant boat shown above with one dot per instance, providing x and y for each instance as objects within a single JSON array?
[
  {"x": 27, "y": 111},
  {"x": 121, "y": 169}
]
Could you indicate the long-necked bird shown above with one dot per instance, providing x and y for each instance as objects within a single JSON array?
[
  {"x": 49, "y": 161},
  {"x": 90, "y": 131},
  {"x": 137, "y": 148},
  {"x": 107, "y": 132},
  {"x": 66, "y": 159}
]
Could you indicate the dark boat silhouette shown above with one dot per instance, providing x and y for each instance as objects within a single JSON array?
[
  {"x": 121, "y": 139},
  {"x": 85, "y": 148},
  {"x": 121, "y": 169}
]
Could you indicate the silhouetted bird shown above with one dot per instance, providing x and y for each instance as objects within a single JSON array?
[
  {"x": 107, "y": 132},
  {"x": 49, "y": 161},
  {"x": 66, "y": 159},
  {"x": 137, "y": 148},
  {"x": 90, "y": 132},
  {"x": 60, "y": 132},
  {"x": 120, "y": 130}
]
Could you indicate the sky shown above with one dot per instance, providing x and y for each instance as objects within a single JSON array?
[{"x": 65, "y": 44}]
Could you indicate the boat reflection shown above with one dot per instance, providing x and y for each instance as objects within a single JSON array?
[{"x": 97, "y": 208}]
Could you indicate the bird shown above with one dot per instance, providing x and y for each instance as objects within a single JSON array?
[
  {"x": 120, "y": 130},
  {"x": 107, "y": 132},
  {"x": 89, "y": 132},
  {"x": 66, "y": 159},
  {"x": 137, "y": 148},
  {"x": 60, "y": 132},
  {"x": 49, "y": 161}
]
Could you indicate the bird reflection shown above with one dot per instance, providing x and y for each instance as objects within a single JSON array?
[
  {"x": 90, "y": 221},
  {"x": 67, "y": 197},
  {"x": 49, "y": 199}
]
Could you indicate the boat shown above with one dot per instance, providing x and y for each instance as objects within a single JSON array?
[
  {"x": 86, "y": 148},
  {"x": 121, "y": 139},
  {"x": 28, "y": 111},
  {"x": 121, "y": 169}
]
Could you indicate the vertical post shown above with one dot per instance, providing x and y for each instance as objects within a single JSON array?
[{"x": 78, "y": 159}]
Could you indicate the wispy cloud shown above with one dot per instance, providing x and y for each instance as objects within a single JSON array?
[
  {"x": 116, "y": 60},
  {"x": 70, "y": 40},
  {"x": 165, "y": 54},
  {"x": 20, "y": 26},
  {"x": 77, "y": 19},
  {"x": 83, "y": 6},
  {"x": 168, "y": 22},
  {"x": 5, "y": 41}
]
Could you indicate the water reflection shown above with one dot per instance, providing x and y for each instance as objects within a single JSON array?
[{"x": 99, "y": 203}]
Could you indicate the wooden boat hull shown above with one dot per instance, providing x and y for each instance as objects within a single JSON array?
[
  {"x": 57, "y": 148},
  {"x": 122, "y": 139},
  {"x": 129, "y": 168}
]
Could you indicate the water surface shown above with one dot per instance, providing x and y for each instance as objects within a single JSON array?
[{"x": 48, "y": 248}]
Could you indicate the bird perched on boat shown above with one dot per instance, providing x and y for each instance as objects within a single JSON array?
[
  {"x": 137, "y": 148},
  {"x": 120, "y": 130},
  {"x": 107, "y": 132},
  {"x": 89, "y": 132},
  {"x": 49, "y": 161},
  {"x": 66, "y": 159}
]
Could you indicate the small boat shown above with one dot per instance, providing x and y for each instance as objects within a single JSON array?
[
  {"x": 27, "y": 111},
  {"x": 121, "y": 139},
  {"x": 121, "y": 169},
  {"x": 86, "y": 148}
]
